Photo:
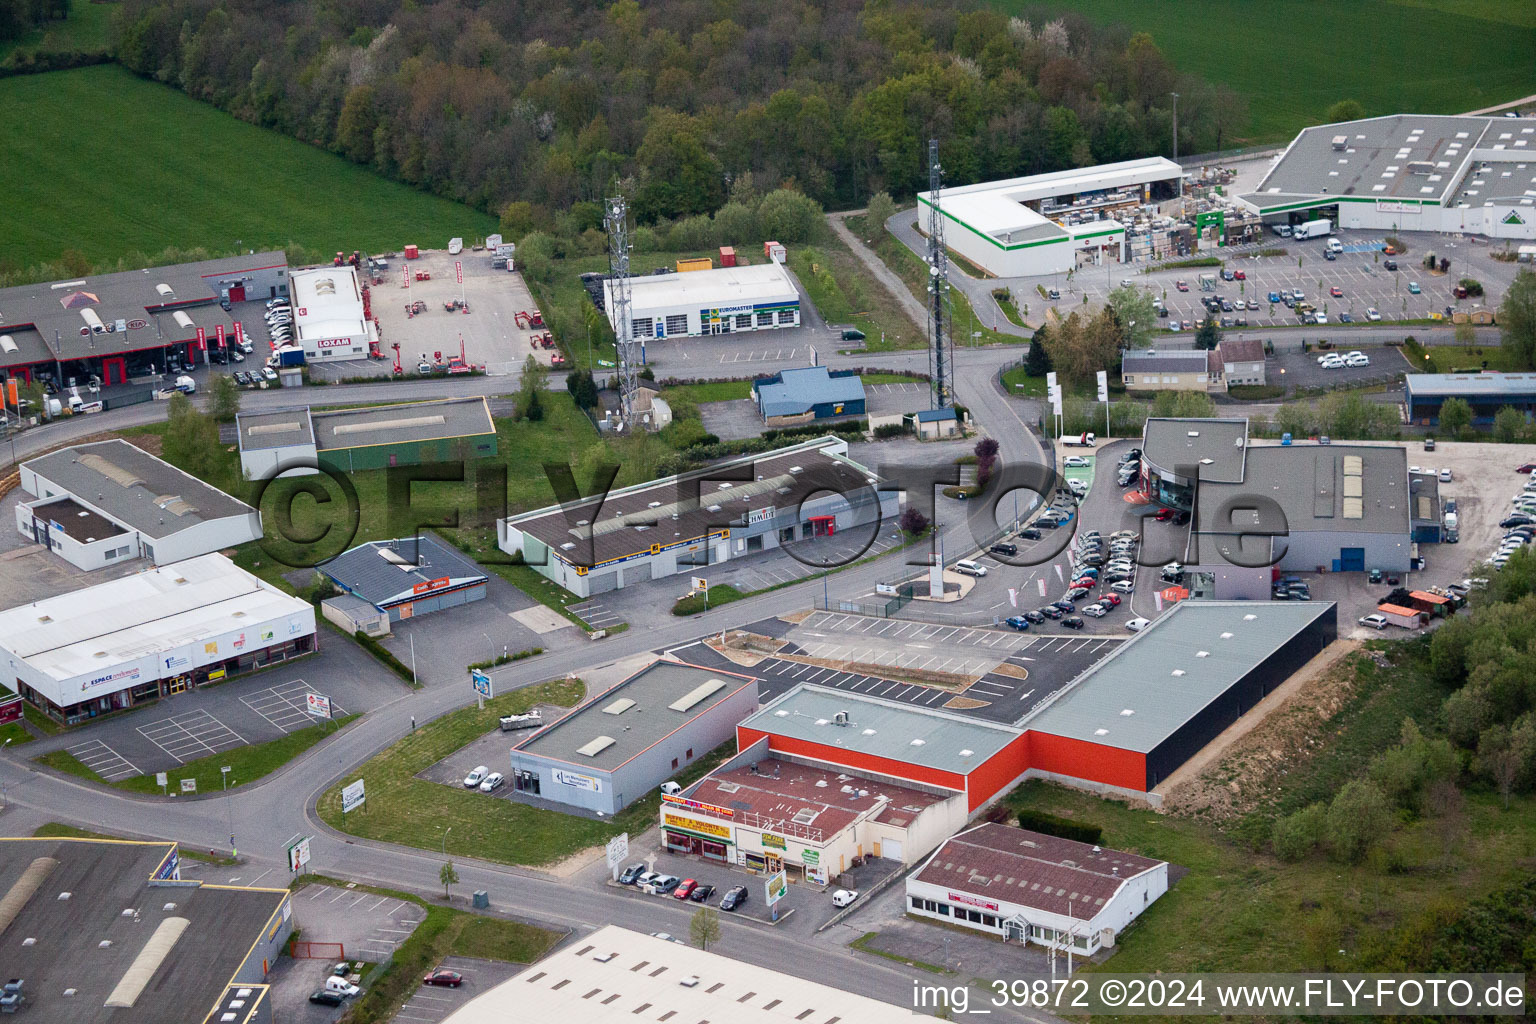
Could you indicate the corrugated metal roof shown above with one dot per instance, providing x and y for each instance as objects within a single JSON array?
[
  {"x": 386, "y": 571},
  {"x": 1143, "y": 692},
  {"x": 797, "y": 391},
  {"x": 1468, "y": 385}
]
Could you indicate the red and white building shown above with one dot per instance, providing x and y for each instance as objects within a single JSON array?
[{"x": 1030, "y": 887}]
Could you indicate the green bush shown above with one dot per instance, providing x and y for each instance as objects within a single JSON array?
[
  {"x": 1296, "y": 835},
  {"x": 889, "y": 430},
  {"x": 390, "y": 662},
  {"x": 1065, "y": 828},
  {"x": 505, "y": 659}
]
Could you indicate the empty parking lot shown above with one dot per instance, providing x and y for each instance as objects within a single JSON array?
[
  {"x": 192, "y": 735},
  {"x": 286, "y": 705}
]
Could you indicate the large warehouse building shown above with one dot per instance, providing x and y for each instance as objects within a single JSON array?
[
  {"x": 809, "y": 492},
  {"x": 408, "y": 577},
  {"x": 1132, "y": 719},
  {"x": 1029, "y": 887},
  {"x": 621, "y": 744},
  {"x": 1408, "y": 172},
  {"x": 1051, "y": 223},
  {"x": 106, "y": 931},
  {"x": 1486, "y": 393},
  {"x": 104, "y": 503},
  {"x": 377, "y": 437},
  {"x": 721, "y": 301},
  {"x": 120, "y": 326},
  {"x": 147, "y": 636},
  {"x": 617, "y": 976},
  {"x": 330, "y": 319}
]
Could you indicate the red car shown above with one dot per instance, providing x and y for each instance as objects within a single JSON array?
[
  {"x": 1336, "y": 292},
  {"x": 1113, "y": 600},
  {"x": 1164, "y": 514},
  {"x": 1240, "y": 275},
  {"x": 1182, "y": 286},
  {"x": 444, "y": 977},
  {"x": 1086, "y": 583},
  {"x": 682, "y": 892},
  {"x": 1529, "y": 467}
]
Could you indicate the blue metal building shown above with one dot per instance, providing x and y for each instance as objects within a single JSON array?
[{"x": 810, "y": 389}]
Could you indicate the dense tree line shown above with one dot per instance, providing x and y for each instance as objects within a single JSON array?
[
  {"x": 18, "y": 17},
  {"x": 551, "y": 103}
]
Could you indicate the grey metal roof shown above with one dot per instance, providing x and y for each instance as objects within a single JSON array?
[
  {"x": 1161, "y": 676},
  {"x": 103, "y": 879},
  {"x": 75, "y": 519},
  {"x": 791, "y": 392},
  {"x": 1317, "y": 489},
  {"x": 385, "y": 572},
  {"x": 1504, "y": 177},
  {"x": 641, "y": 725},
  {"x": 1416, "y": 157},
  {"x": 683, "y": 509},
  {"x": 1424, "y": 504},
  {"x": 1216, "y": 446},
  {"x": 923, "y": 736},
  {"x": 130, "y": 485},
  {"x": 128, "y": 295},
  {"x": 936, "y": 415},
  {"x": 280, "y": 428},
  {"x": 402, "y": 424},
  {"x": 1176, "y": 361},
  {"x": 1471, "y": 385},
  {"x": 29, "y": 347}
]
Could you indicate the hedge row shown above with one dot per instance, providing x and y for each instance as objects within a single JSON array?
[
  {"x": 390, "y": 662},
  {"x": 1065, "y": 828},
  {"x": 504, "y": 659}
]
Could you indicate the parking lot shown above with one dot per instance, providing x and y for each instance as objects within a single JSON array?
[
  {"x": 430, "y": 1004},
  {"x": 199, "y": 723},
  {"x": 1301, "y": 369},
  {"x": 367, "y": 927},
  {"x": 1360, "y": 273}
]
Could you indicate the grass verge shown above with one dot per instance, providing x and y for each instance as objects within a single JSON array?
[
  {"x": 59, "y": 830},
  {"x": 968, "y": 328},
  {"x": 693, "y": 604},
  {"x": 443, "y": 932},
  {"x": 1008, "y": 306},
  {"x": 402, "y": 808},
  {"x": 14, "y": 733}
]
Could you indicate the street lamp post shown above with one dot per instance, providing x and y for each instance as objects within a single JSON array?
[{"x": 445, "y": 841}]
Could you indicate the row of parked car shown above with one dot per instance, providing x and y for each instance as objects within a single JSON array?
[
  {"x": 692, "y": 890},
  {"x": 1339, "y": 360},
  {"x": 1520, "y": 524}
]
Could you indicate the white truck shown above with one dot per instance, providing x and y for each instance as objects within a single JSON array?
[
  {"x": 1079, "y": 441},
  {"x": 1313, "y": 229},
  {"x": 186, "y": 385}
]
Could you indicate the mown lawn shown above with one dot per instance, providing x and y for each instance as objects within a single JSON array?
[
  {"x": 1292, "y": 59},
  {"x": 184, "y": 174},
  {"x": 246, "y": 764}
]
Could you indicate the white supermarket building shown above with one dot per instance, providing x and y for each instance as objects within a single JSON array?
[
  {"x": 1408, "y": 172},
  {"x": 720, "y": 301},
  {"x": 1049, "y": 223},
  {"x": 150, "y": 635}
]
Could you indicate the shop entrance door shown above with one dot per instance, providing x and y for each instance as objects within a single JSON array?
[{"x": 178, "y": 685}]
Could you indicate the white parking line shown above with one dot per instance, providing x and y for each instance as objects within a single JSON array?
[{"x": 103, "y": 760}]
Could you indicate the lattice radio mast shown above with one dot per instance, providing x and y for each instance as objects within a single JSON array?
[
  {"x": 941, "y": 340},
  {"x": 629, "y": 349}
]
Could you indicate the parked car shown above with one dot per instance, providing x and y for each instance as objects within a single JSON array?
[
  {"x": 1336, "y": 292},
  {"x": 443, "y": 977},
  {"x": 1390, "y": 265},
  {"x": 844, "y": 897},
  {"x": 734, "y": 897},
  {"x": 1064, "y": 607},
  {"x": 1096, "y": 611},
  {"x": 1072, "y": 622},
  {"x": 1030, "y": 533},
  {"x": 1413, "y": 288},
  {"x": 474, "y": 778},
  {"x": 1075, "y": 462},
  {"x": 1034, "y": 618},
  {"x": 1004, "y": 548},
  {"x": 325, "y": 997},
  {"x": 629, "y": 874},
  {"x": 1050, "y": 611},
  {"x": 1372, "y": 314},
  {"x": 684, "y": 889},
  {"x": 1110, "y": 600},
  {"x": 1018, "y": 622},
  {"x": 664, "y": 884},
  {"x": 1123, "y": 586},
  {"x": 1374, "y": 621},
  {"x": 1182, "y": 286},
  {"x": 1137, "y": 625},
  {"x": 341, "y": 986},
  {"x": 970, "y": 568},
  {"x": 492, "y": 782},
  {"x": 701, "y": 893}
]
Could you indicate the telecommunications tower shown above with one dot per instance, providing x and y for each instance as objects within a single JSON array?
[
  {"x": 628, "y": 346},
  {"x": 941, "y": 340}
]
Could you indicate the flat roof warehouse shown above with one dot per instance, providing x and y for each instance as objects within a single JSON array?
[{"x": 360, "y": 428}]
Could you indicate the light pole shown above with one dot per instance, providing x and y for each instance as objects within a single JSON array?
[
  {"x": 445, "y": 842},
  {"x": 1176, "y": 139},
  {"x": 492, "y": 643}
]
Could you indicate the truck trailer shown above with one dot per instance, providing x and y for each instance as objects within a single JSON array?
[{"x": 1313, "y": 229}]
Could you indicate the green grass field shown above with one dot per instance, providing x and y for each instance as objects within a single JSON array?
[
  {"x": 86, "y": 30},
  {"x": 1292, "y": 59},
  {"x": 109, "y": 164}
]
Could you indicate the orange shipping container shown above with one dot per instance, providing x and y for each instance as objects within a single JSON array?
[{"x": 702, "y": 263}]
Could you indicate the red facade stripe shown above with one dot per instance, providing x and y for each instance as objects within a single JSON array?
[{"x": 1094, "y": 762}]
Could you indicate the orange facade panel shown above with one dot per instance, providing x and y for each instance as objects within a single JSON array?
[{"x": 1093, "y": 762}]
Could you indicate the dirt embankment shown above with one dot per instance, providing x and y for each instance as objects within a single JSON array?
[{"x": 1239, "y": 770}]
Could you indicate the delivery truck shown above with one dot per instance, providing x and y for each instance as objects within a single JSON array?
[
  {"x": 1079, "y": 441},
  {"x": 1313, "y": 229}
]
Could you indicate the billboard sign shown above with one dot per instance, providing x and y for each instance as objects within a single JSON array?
[
  {"x": 189, "y": 785},
  {"x": 10, "y": 709},
  {"x": 700, "y": 583},
  {"x": 771, "y": 841},
  {"x": 458, "y": 270},
  {"x": 318, "y": 704},
  {"x": 352, "y": 796},
  {"x": 696, "y": 805},
  {"x": 618, "y": 853},
  {"x": 776, "y": 885},
  {"x": 481, "y": 682},
  {"x": 578, "y": 781},
  {"x": 706, "y": 828},
  {"x": 298, "y": 853}
]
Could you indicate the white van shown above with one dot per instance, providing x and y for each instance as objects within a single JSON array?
[
  {"x": 341, "y": 985},
  {"x": 1334, "y": 245},
  {"x": 970, "y": 568}
]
